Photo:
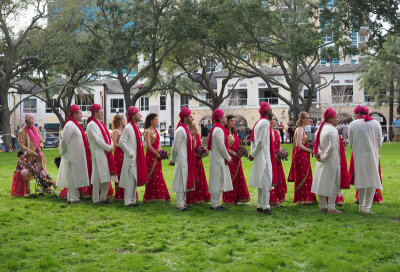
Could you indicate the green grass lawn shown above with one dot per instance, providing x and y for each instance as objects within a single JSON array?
[{"x": 44, "y": 234}]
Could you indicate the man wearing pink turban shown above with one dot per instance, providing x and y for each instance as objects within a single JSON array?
[
  {"x": 75, "y": 166},
  {"x": 134, "y": 170},
  {"x": 365, "y": 139},
  {"x": 263, "y": 154},
  {"x": 31, "y": 142},
  {"x": 183, "y": 157},
  {"x": 331, "y": 168},
  {"x": 220, "y": 176},
  {"x": 101, "y": 146}
]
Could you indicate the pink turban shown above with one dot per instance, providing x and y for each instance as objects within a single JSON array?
[
  {"x": 329, "y": 113},
  {"x": 185, "y": 112},
  {"x": 29, "y": 116},
  {"x": 264, "y": 107},
  {"x": 74, "y": 108},
  {"x": 131, "y": 111},
  {"x": 95, "y": 108},
  {"x": 218, "y": 113},
  {"x": 360, "y": 108}
]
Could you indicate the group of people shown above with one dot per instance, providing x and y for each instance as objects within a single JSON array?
[{"x": 88, "y": 164}]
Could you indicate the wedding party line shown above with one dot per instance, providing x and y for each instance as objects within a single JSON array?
[{"x": 91, "y": 160}]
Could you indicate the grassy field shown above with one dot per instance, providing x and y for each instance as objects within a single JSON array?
[{"x": 44, "y": 234}]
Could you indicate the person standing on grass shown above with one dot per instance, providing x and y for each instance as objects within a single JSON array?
[
  {"x": 156, "y": 189},
  {"x": 134, "y": 169},
  {"x": 263, "y": 173},
  {"x": 278, "y": 192},
  {"x": 240, "y": 193},
  {"x": 200, "y": 193},
  {"x": 331, "y": 169},
  {"x": 118, "y": 125},
  {"x": 171, "y": 133},
  {"x": 220, "y": 177},
  {"x": 75, "y": 167},
  {"x": 300, "y": 171},
  {"x": 365, "y": 139},
  {"x": 31, "y": 142},
  {"x": 183, "y": 158},
  {"x": 103, "y": 165},
  {"x": 396, "y": 129}
]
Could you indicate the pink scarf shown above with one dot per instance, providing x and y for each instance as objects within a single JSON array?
[{"x": 34, "y": 135}]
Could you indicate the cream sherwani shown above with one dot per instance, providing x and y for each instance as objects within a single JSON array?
[
  {"x": 261, "y": 172},
  {"x": 180, "y": 159},
  {"x": 100, "y": 172},
  {"x": 220, "y": 177},
  {"x": 326, "y": 181},
  {"x": 73, "y": 172},
  {"x": 365, "y": 139},
  {"x": 128, "y": 178}
]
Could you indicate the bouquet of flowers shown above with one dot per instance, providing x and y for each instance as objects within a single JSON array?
[
  {"x": 164, "y": 154},
  {"x": 242, "y": 152},
  {"x": 282, "y": 154},
  {"x": 201, "y": 151}
]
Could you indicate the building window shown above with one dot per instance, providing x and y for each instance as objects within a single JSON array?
[
  {"x": 265, "y": 95},
  {"x": 117, "y": 105},
  {"x": 342, "y": 94},
  {"x": 314, "y": 96},
  {"x": 327, "y": 38},
  {"x": 144, "y": 103},
  {"x": 30, "y": 105},
  {"x": 373, "y": 98},
  {"x": 163, "y": 102},
  {"x": 84, "y": 101},
  {"x": 210, "y": 66},
  {"x": 56, "y": 105},
  {"x": 184, "y": 101},
  {"x": 354, "y": 38},
  {"x": 238, "y": 97},
  {"x": 322, "y": 62}
]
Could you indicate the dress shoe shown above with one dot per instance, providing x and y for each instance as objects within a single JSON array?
[
  {"x": 267, "y": 212},
  {"x": 260, "y": 210},
  {"x": 217, "y": 209}
]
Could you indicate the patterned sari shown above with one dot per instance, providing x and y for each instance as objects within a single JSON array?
[
  {"x": 301, "y": 173},
  {"x": 240, "y": 193},
  {"x": 278, "y": 193},
  {"x": 156, "y": 189},
  {"x": 200, "y": 193}
]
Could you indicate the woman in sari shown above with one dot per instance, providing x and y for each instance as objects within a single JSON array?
[
  {"x": 300, "y": 171},
  {"x": 278, "y": 192},
  {"x": 200, "y": 193},
  {"x": 156, "y": 189},
  {"x": 118, "y": 124},
  {"x": 240, "y": 193}
]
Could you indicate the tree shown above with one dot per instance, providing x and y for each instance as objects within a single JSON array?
[
  {"x": 15, "y": 66},
  {"x": 380, "y": 73},
  {"x": 131, "y": 37},
  {"x": 289, "y": 36}
]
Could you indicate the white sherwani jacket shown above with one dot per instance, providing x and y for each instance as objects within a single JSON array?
[
  {"x": 219, "y": 171},
  {"x": 73, "y": 168},
  {"x": 365, "y": 139},
  {"x": 327, "y": 172},
  {"x": 98, "y": 149},
  {"x": 180, "y": 159},
  {"x": 128, "y": 144},
  {"x": 261, "y": 173}
]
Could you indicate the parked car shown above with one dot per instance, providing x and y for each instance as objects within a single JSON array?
[
  {"x": 12, "y": 139},
  {"x": 51, "y": 142}
]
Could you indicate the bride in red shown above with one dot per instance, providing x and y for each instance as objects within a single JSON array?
[
  {"x": 200, "y": 193},
  {"x": 156, "y": 189},
  {"x": 118, "y": 124},
  {"x": 240, "y": 193},
  {"x": 278, "y": 193},
  {"x": 300, "y": 171}
]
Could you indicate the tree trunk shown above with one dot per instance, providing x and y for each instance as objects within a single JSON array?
[
  {"x": 5, "y": 123},
  {"x": 391, "y": 110},
  {"x": 172, "y": 109}
]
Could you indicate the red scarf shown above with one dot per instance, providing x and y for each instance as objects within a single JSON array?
[
  {"x": 275, "y": 179},
  {"x": 86, "y": 144},
  {"x": 107, "y": 138},
  {"x": 226, "y": 133},
  {"x": 191, "y": 157},
  {"x": 142, "y": 177},
  {"x": 365, "y": 117},
  {"x": 344, "y": 174}
]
